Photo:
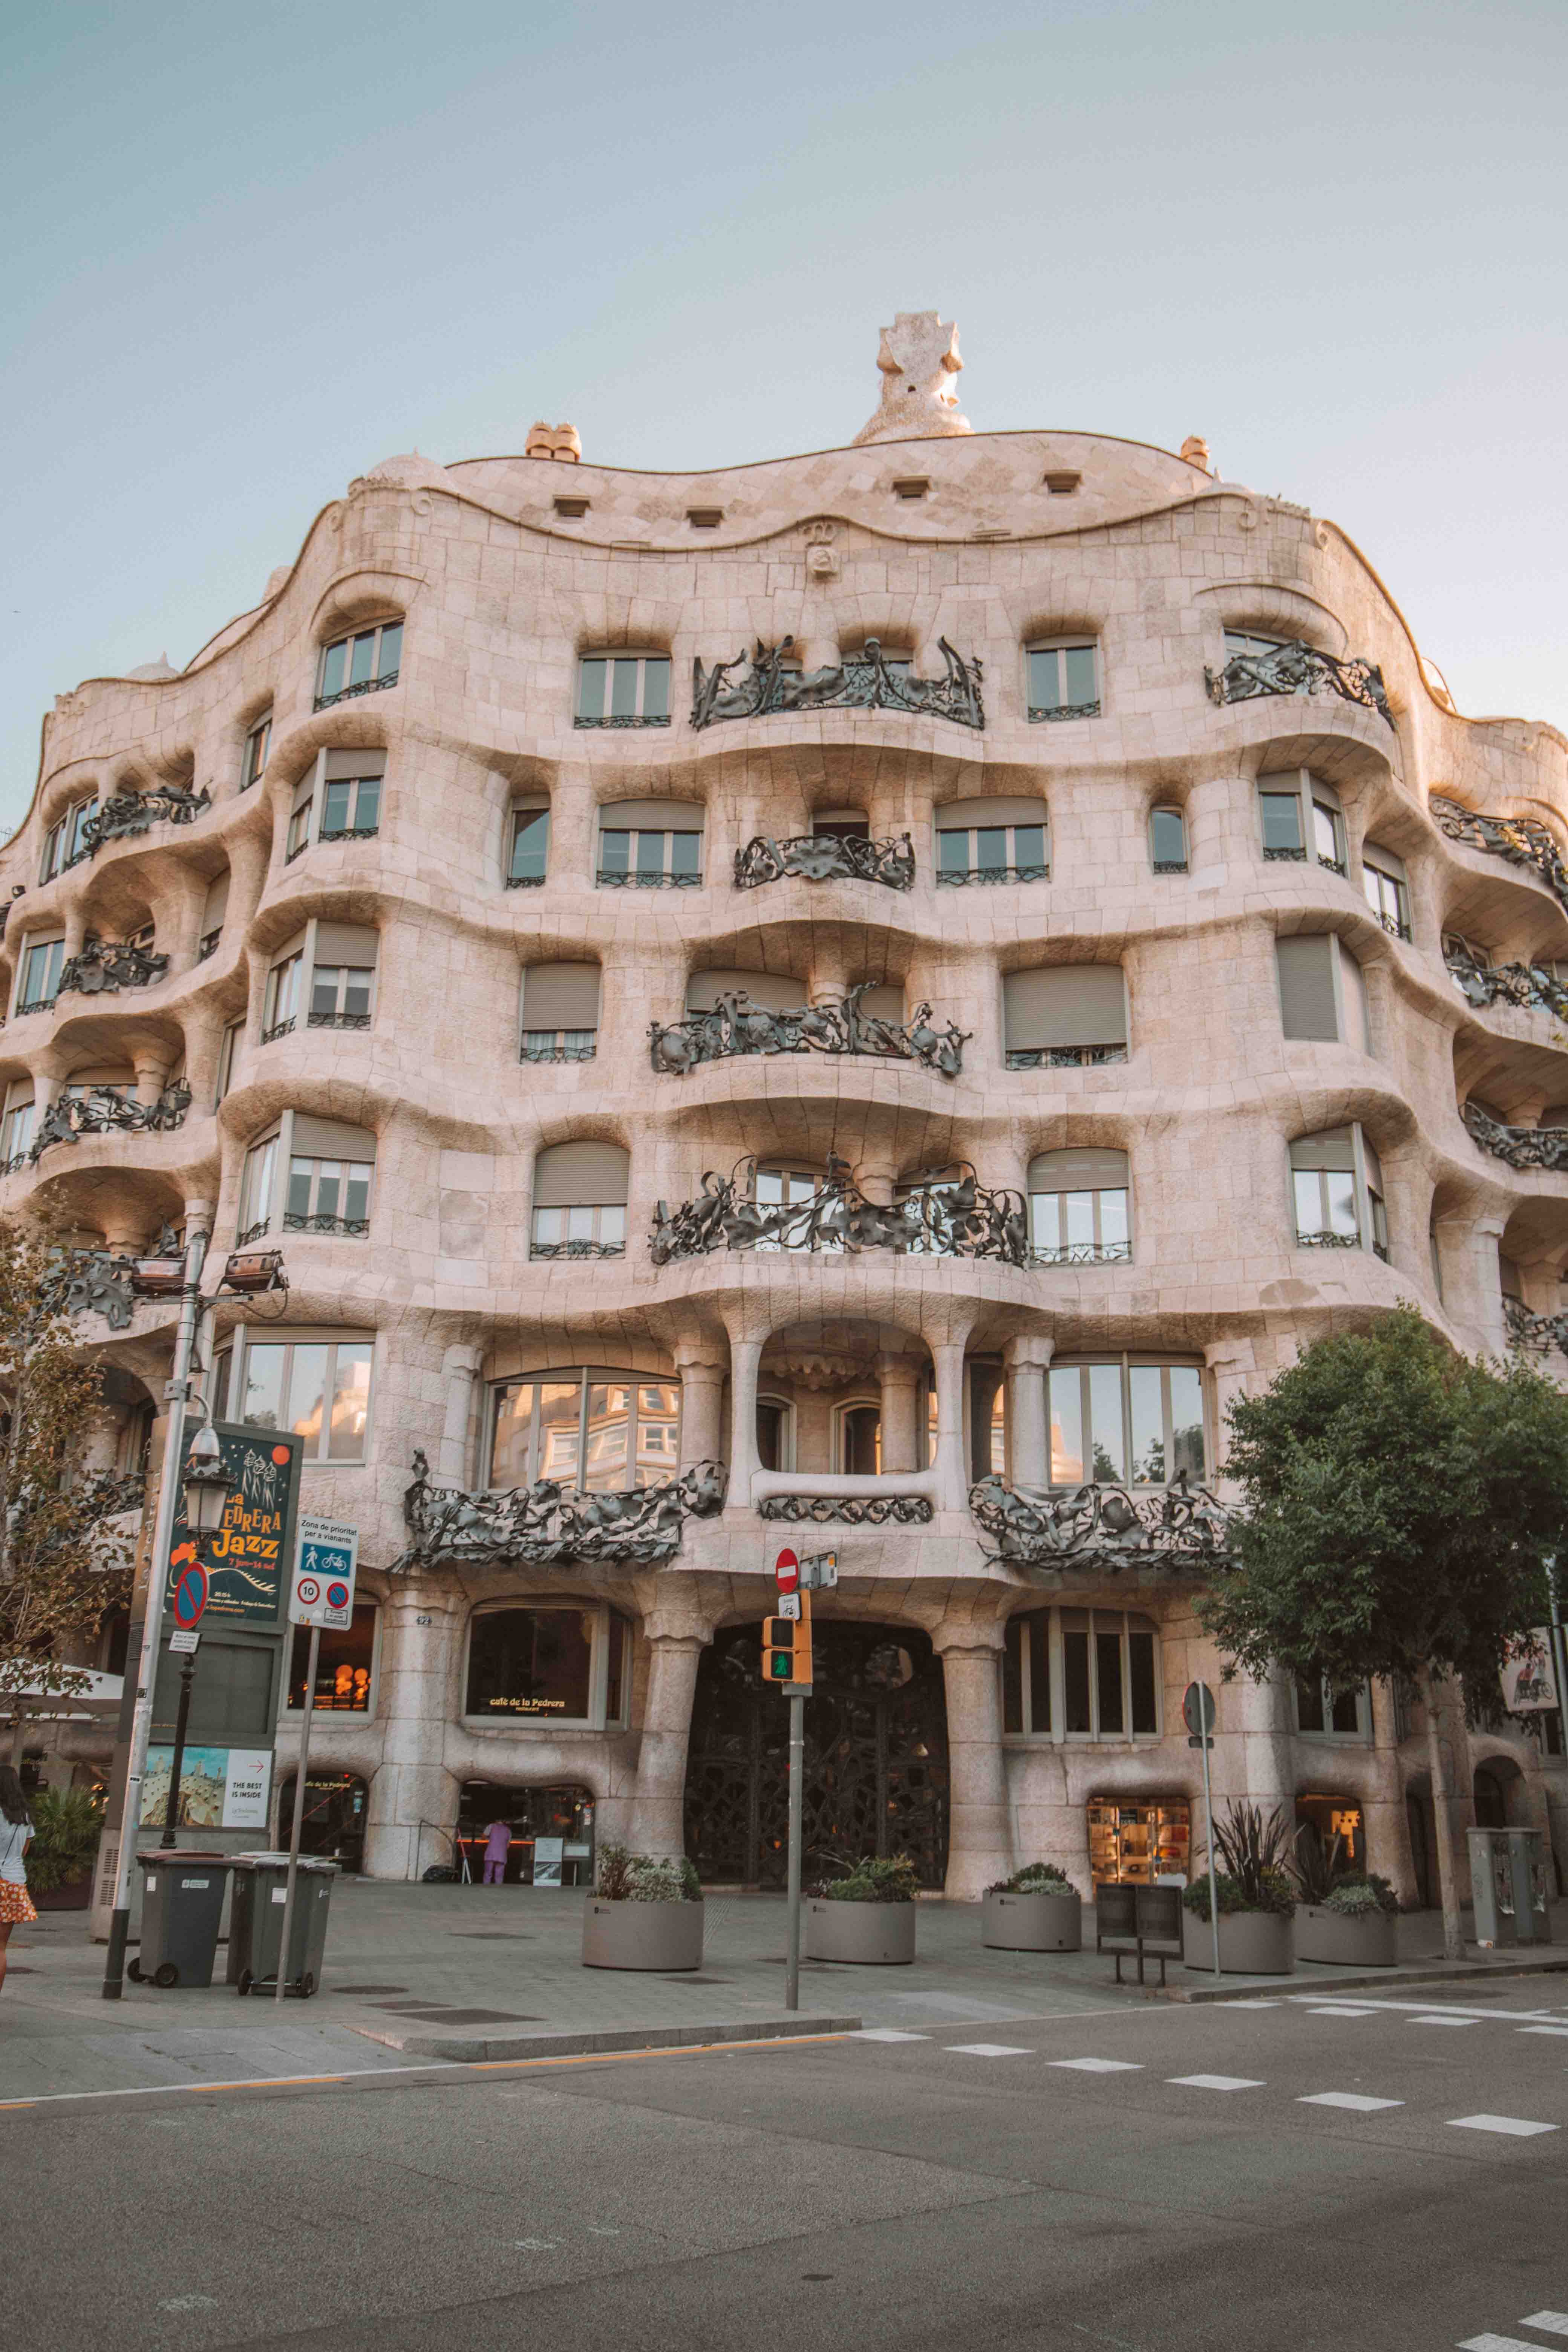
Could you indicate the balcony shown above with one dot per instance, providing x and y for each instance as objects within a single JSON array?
[
  {"x": 736, "y": 1026},
  {"x": 825, "y": 857},
  {"x": 1177, "y": 1528},
  {"x": 1522, "y": 840},
  {"x": 815, "y": 1499},
  {"x": 355, "y": 1229},
  {"x": 1532, "y": 1333},
  {"x": 957, "y": 1219},
  {"x": 1064, "y": 1058},
  {"x": 537, "y": 1525},
  {"x": 1528, "y": 985},
  {"x": 336, "y": 1021},
  {"x": 1084, "y": 1254},
  {"x": 957, "y": 877},
  {"x": 765, "y": 682},
  {"x": 349, "y": 693},
  {"x": 1297, "y": 668},
  {"x": 208, "y": 945},
  {"x": 103, "y": 1111},
  {"x": 104, "y": 967},
  {"x": 1519, "y": 1147},
  {"x": 581, "y": 1249},
  {"x": 559, "y": 1045},
  {"x": 280, "y": 1029}
]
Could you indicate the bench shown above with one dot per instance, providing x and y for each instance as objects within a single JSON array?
[{"x": 1147, "y": 1918}]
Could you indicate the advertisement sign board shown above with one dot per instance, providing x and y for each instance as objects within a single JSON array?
[
  {"x": 248, "y": 1560},
  {"x": 220, "y": 1787}
]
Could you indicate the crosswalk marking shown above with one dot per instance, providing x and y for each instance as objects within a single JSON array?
[
  {"x": 1098, "y": 2066},
  {"x": 987, "y": 2050},
  {"x": 886, "y": 2033},
  {"x": 1438, "y": 2020},
  {"x": 1544, "y": 2029},
  {"x": 1551, "y": 2323},
  {"x": 1510, "y": 2126},
  {"x": 1254, "y": 2004},
  {"x": 1216, "y": 2081},
  {"x": 1341, "y": 2008},
  {"x": 1355, "y": 2101},
  {"x": 1490, "y": 2342}
]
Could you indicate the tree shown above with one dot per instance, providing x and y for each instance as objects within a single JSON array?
[
  {"x": 62, "y": 1567},
  {"x": 1401, "y": 1507}
]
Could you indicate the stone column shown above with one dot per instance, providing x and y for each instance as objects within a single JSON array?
[
  {"x": 1028, "y": 1360},
  {"x": 745, "y": 1356},
  {"x": 901, "y": 1433},
  {"x": 676, "y": 1641},
  {"x": 1262, "y": 1718},
  {"x": 701, "y": 1403},
  {"x": 421, "y": 1638},
  {"x": 152, "y": 1068},
  {"x": 1229, "y": 1362},
  {"x": 952, "y": 1482},
  {"x": 1485, "y": 1235},
  {"x": 459, "y": 1370},
  {"x": 980, "y": 1844}
]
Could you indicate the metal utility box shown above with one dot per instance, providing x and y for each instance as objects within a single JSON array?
[
  {"x": 256, "y": 1924},
  {"x": 1508, "y": 1882},
  {"x": 182, "y": 1903}
]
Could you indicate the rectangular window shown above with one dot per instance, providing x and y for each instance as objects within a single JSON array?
[
  {"x": 351, "y": 808},
  {"x": 1387, "y": 896},
  {"x": 598, "y": 1232},
  {"x": 343, "y": 1663},
  {"x": 256, "y": 745},
  {"x": 992, "y": 853},
  {"x": 1080, "y": 1228},
  {"x": 1076, "y": 1670},
  {"x": 1168, "y": 841},
  {"x": 78, "y": 835},
  {"x": 341, "y": 995},
  {"x": 1248, "y": 641},
  {"x": 319, "y": 1389},
  {"x": 644, "y": 859},
  {"x": 281, "y": 1007},
  {"x": 1328, "y": 835},
  {"x": 1308, "y": 1004},
  {"x": 1108, "y": 1665},
  {"x": 50, "y": 864},
  {"x": 229, "y": 1057},
  {"x": 256, "y": 1191},
  {"x": 530, "y": 848},
  {"x": 1281, "y": 814},
  {"x": 1064, "y": 681},
  {"x": 17, "y": 1132},
  {"x": 623, "y": 690},
  {"x": 42, "y": 964},
  {"x": 1107, "y": 1679},
  {"x": 602, "y": 1435},
  {"x": 1095, "y": 1408},
  {"x": 329, "y": 1196},
  {"x": 1140, "y": 1678},
  {"x": 360, "y": 663}
]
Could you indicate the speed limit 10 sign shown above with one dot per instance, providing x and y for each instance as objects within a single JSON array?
[{"x": 323, "y": 1588}]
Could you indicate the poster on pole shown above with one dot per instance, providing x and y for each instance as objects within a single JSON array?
[
  {"x": 247, "y": 1561},
  {"x": 1528, "y": 1684}
]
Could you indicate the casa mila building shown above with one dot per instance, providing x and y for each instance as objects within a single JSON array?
[{"x": 853, "y": 1002}]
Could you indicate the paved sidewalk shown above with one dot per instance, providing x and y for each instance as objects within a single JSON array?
[{"x": 415, "y": 1974}]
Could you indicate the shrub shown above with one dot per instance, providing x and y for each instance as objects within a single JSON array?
[
  {"x": 1318, "y": 1868},
  {"x": 1035, "y": 1878},
  {"x": 1357, "y": 1898},
  {"x": 1272, "y": 1892},
  {"x": 645, "y": 1878},
  {"x": 1255, "y": 1852},
  {"x": 66, "y": 1823},
  {"x": 889, "y": 1879}
]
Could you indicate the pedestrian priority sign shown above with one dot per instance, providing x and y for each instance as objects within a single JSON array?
[{"x": 322, "y": 1592}]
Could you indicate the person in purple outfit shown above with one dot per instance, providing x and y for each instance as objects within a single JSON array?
[{"x": 498, "y": 1841}]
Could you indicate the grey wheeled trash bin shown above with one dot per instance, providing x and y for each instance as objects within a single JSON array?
[
  {"x": 256, "y": 1924},
  {"x": 182, "y": 1903}
]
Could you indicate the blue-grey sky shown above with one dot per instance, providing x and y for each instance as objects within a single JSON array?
[{"x": 250, "y": 250}]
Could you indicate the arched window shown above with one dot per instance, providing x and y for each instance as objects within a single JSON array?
[
  {"x": 1063, "y": 679},
  {"x": 1336, "y": 1184},
  {"x": 776, "y": 1433},
  {"x": 860, "y": 1439},
  {"x": 558, "y": 1662},
  {"x": 559, "y": 1012},
  {"x": 1077, "y": 1208},
  {"x": 1168, "y": 840},
  {"x": 527, "y": 854},
  {"x": 258, "y": 744},
  {"x": 580, "y": 1201},
  {"x": 997, "y": 840},
  {"x": 1385, "y": 889},
  {"x": 1066, "y": 1016},
  {"x": 623, "y": 689},
  {"x": 1125, "y": 1420},
  {"x": 1297, "y": 809},
  {"x": 651, "y": 845},
  {"x": 362, "y": 663},
  {"x": 1080, "y": 1673},
  {"x": 214, "y": 908}
]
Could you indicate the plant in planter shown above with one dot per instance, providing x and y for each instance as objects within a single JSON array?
[
  {"x": 66, "y": 1826},
  {"x": 868, "y": 1915},
  {"x": 1037, "y": 1910},
  {"x": 1352, "y": 1926},
  {"x": 1257, "y": 1900},
  {"x": 646, "y": 1913}
]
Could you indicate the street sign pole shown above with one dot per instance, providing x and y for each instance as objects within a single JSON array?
[
  {"x": 796, "y": 1790},
  {"x": 182, "y": 1717},
  {"x": 299, "y": 1810},
  {"x": 1559, "y": 1660},
  {"x": 322, "y": 1593},
  {"x": 1208, "y": 1832}
]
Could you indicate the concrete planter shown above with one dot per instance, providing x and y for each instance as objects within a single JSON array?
[
  {"x": 661, "y": 1936},
  {"x": 879, "y": 1934},
  {"x": 1251, "y": 1944},
  {"x": 1329, "y": 1936},
  {"x": 1032, "y": 1923}
]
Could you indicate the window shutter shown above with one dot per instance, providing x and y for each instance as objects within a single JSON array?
[
  {"x": 1358, "y": 1019},
  {"x": 103, "y": 1073},
  {"x": 1373, "y": 853},
  {"x": 367, "y": 762},
  {"x": 1307, "y": 987},
  {"x": 961, "y": 816},
  {"x": 215, "y": 906},
  {"x": 303, "y": 791},
  {"x": 884, "y": 1005},
  {"x": 652, "y": 816},
  {"x": 290, "y": 948},
  {"x": 353, "y": 944},
  {"x": 560, "y": 996},
  {"x": 1078, "y": 1171},
  {"x": 330, "y": 1138},
  {"x": 1333, "y": 1149},
  {"x": 1373, "y": 1168},
  {"x": 774, "y": 992},
  {"x": 1072, "y": 1005},
  {"x": 581, "y": 1176},
  {"x": 527, "y": 804}
]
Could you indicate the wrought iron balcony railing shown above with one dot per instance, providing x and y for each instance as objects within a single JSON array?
[
  {"x": 1170, "y": 865},
  {"x": 847, "y": 1511},
  {"x": 251, "y": 1233},
  {"x": 767, "y": 683},
  {"x": 1522, "y": 840},
  {"x": 955, "y": 877},
  {"x": 626, "y": 719},
  {"x": 1528, "y": 985},
  {"x": 1396, "y": 928},
  {"x": 825, "y": 857},
  {"x": 525, "y": 881},
  {"x": 1284, "y": 857},
  {"x": 104, "y": 1111},
  {"x": 624, "y": 877},
  {"x": 348, "y": 832},
  {"x": 559, "y": 1045},
  {"x": 102, "y": 967},
  {"x": 1105, "y": 1527},
  {"x": 92, "y": 1282},
  {"x": 353, "y": 1229},
  {"x": 1327, "y": 1239},
  {"x": 1064, "y": 1058},
  {"x": 1049, "y": 711},
  {"x": 836, "y": 1025},
  {"x": 1084, "y": 1254},
  {"x": 208, "y": 945},
  {"x": 337, "y": 1021},
  {"x": 537, "y": 1525},
  {"x": 348, "y": 693},
  {"x": 278, "y": 1029},
  {"x": 1540, "y": 1333},
  {"x": 1297, "y": 668},
  {"x": 125, "y": 814},
  {"x": 576, "y": 1249},
  {"x": 1520, "y": 1147},
  {"x": 952, "y": 1219}
]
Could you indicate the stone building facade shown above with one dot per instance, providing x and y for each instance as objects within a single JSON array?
[{"x": 873, "y": 992}]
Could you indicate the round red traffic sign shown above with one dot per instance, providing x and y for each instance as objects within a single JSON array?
[
  {"x": 786, "y": 1572},
  {"x": 337, "y": 1594},
  {"x": 307, "y": 1592},
  {"x": 190, "y": 1593}
]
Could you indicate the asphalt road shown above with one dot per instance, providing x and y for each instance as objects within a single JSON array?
[{"x": 1279, "y": 2177}]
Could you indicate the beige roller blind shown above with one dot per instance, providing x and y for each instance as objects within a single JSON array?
[
  {"x": 215, "y": 906},
  {"x": 652, "y": 816},
  {"x": 774, "y": 992},
  {"x": 290, "y": 948},
  {"x": 1373, "y": 853},
  {"x": 1072, "y": 1004},
  {"x": 353, "y": 944},
  {"x": 959, "y": 816},
  {"x": 560, "y": 996},
  {"x": 103, "y": 1073},
  {"x": 581, "y": 1176},
  {"x": 1307, "y": 987},
  {"x": 884, "y": 1005},
  {"x": 303, "y": 789},
  {"x": 1333, "y": 1149},
  {"x": 1358, "y": 1019},
  {"x": 1078, "y": 1171},
  {"x": 1373, "y": 1168},
  {"x": 522, "y": 801},
  {"x": 367, "y": 763},
  {"x": 330, "y": 1138}
]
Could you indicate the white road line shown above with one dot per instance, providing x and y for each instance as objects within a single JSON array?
[
  {"x": 1425, "y": 2009},
  {"x": 1544, "y": 2029},
  {"x": 1510, "y": 2126},
  {"x": 1438, "y": 2020},
  {"x": 1098, "y": 2066},
  {"x": 1357, "y": 2103},
  {"x": 1551, "y": 2323},
  {"x": 1489, "y": 2343},
  {"x": 987, "y": 2050},
  {"x": 885, "y": 2033},
  {"x": 1340, "y": 2009},
  {"x": 1217, "y": 2081},
  {"x": 1253, "y": 2005}
]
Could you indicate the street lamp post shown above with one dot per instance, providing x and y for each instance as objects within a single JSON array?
[{"x": 206, "y": 1491}]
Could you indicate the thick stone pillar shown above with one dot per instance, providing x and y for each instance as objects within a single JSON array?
[
  {"x": 413, "y": 1795},
  {"x": 1263, "y": 1719},
  {"x": 1230, "y": 1364},
  {"x": 902, "y": 1432},
  {"x": 701, "y": 1404},
  {"x": 952, "y": 1481},
  {"x": 745, "y": 1356},
  {"x": 980, "y": 1843},
  {"x": 151, "y": 1073},
  {"x": 1028, "y": 1360},
  {"x": 676, "y": 1642},
  {"x": 459, "y": 1370}
]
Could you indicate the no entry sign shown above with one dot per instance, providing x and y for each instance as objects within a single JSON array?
[
  {"x": 190, "y": 1589},
  {"x": 786, "y": 1572},
  {"x": 323, "y": 1587}
]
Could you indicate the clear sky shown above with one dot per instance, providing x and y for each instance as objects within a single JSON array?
[{"x": 251, "y": 250}]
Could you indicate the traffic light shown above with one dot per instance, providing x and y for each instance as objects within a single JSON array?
[{"x": 786, "y": 1649}]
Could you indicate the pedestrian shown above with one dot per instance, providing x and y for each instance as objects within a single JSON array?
[
  {"x": 498, "y": 1845},
  {"x": 16, "y": 1835}
]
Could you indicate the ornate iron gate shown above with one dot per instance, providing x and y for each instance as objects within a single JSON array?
[{"x": 875, "y": 1756}]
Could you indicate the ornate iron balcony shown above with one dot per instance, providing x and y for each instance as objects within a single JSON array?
[
  {"x": 208, "y": 945},
  {"x": 864, "y": 682},
  {"x": 298, "y": 851},
  {"x": 124, "y": 815},
  {"x": 837, "y": 1025},
  {"x": 1522, "y": 840},
  {"x": 1049, "y": 711},
  {"x": 559, "y": 1045},
  {"x": 348, "y": 693},
  {"x": 1396, "y": 929},
  {"x": 535, "y": 1527},
  {"x": 92, "y": 1282},
  {"x": 1540, "y": 1333},
  {"x": 1174, "y": 1527},
  {"x": 1284, "y": 857},
  {"x": 576, "y": 1249},
  {"x": 1084, "y": 1254},
  {"x": 278, "y": 1029},
  {"x": 955, "y": 878},
  {"x": 102, "y": 1111},
  {"x": 17, "y": 1161},
  {"x": 617, "y": 878},
  {"x": 1170, "y": 865},
  {"x": 1520, "y": 1147},
  {"x": 251, "y": 1233},
  {"x": 1327, "y": 1240},
  {"x": 1527, "y": 985},
  {"x": 1064, "y": 1058},
  {"x": 825, "y": 857},
  {"x": 355, "y": 1229},
  {"x": 1333, "y": 866},
  {"x": 850, "y": 1510},
  {"x": 525, "y": 881},
  {"x": 626, "y": 719},
  {"x": 348, "y": 832},
  {"x": 336, "y": 1021},
  {"x": 959, "y": 1218},
  {"x": 1297, "y": 668}
]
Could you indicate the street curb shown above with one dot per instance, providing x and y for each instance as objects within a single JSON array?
[
  {"x": 570, "y": 2042},
  {"x": 1473, "y": 1972}
]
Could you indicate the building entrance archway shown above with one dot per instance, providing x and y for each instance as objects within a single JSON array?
[{"x": 875, "y": 1756}]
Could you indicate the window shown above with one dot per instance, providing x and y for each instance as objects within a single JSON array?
[
  {"x": 253, "y": 765},
  {"x": 623, "y": 690},
  {"x": 1387, "y": 891},
  {"x": 54, "y": 845},
  {"x": 597, "y": 1433},
  {"x": 345, "y": 1661},
  {"x": 859, "y": 1447},
  {"x": 1508, "y": 1282},
  {"x": 109, "y": 1078},
  {"x": 331, "y": 1171},
  {"x": 1077, "y": 1208},
  {"x": 351, "y": 795},
  {"x": 911, "y": 487},
  {"x": 1063, "y": 679},
  {"x": 42, "y": 964},
  {"x": 651, "y": 845},
  {"x": 844, "y": 823},
  {"x": 328, "y": 1196},
  {"x": 529, "y": 853},
  {"x": 298, "y": 838},
  {"x": 993, "y": 841},
  {"x": 281, "y": 1007},
  {"x": 564, "y": 1663},
  {"x": 229, "y": 1057},
  {"x": 16, "y": 1125},
  {"x": 214, "y": 908},
  {"x": 317, "y": 1388},
  {"x": 342, "y": 975},
  {"x": 1328, "y": 1714},
  {"x": 1125, "y": 1421},
  {"x": 775, "y": 1433},
  {"x": 1296, "y": 808},
  {"x": 360, "y": 663},
  {"x": 580, "y": 1201},
  {"x": 1080, "y": 1673},
  {"x": 1336, "y": 1187},
  {"x": 1168, "y": 841},
  {"x": 1322, "y": 995},
  {"x": 69, "y": 840},
  {"x": 559, "y": 1012},
  {"x": 1251, "y": 644},
  {"x": 781, "y": 1187},
  {"x": 1068, "y": 1016},
  {"x": 705, "y": 518}
]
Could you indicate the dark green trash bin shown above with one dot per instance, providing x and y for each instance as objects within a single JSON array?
[
  {"x": 255, "y": 1922},
  {"x": 182, "y": 1904}
]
